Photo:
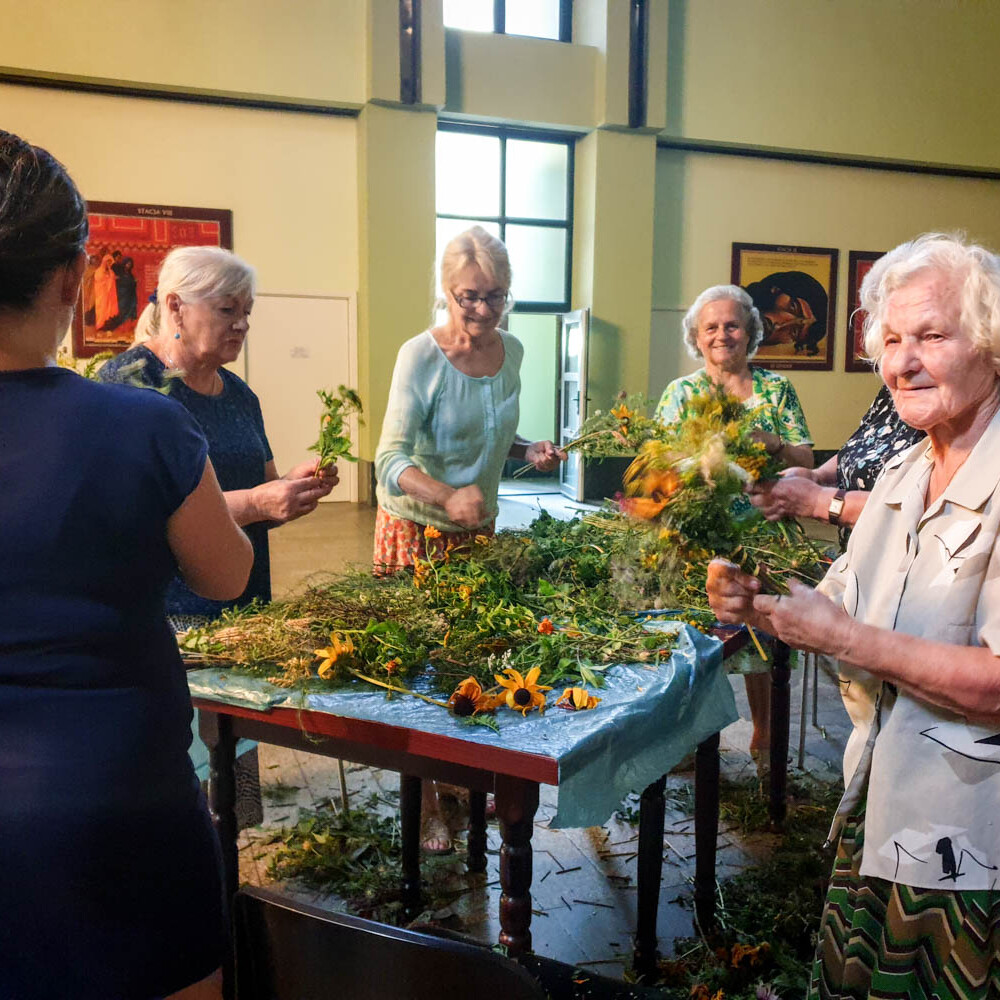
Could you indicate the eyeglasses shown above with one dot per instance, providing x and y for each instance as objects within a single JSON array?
[{"x": 494, "y": 300}]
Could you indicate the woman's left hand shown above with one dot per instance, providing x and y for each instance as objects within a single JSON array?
[
  {"x": 328, "y": 475},
  {"x": 544, "y": 455},
  {"x": 806, "y": 619}
]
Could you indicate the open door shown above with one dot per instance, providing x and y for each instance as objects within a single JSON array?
[{"x": 572, "y": 395}]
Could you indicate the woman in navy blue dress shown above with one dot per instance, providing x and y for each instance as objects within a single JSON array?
[{"x": 110, "y": 882}]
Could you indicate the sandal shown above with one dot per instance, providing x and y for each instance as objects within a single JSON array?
[{"x": 435, "y": 837}]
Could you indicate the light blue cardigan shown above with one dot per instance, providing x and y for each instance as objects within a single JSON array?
[{"x": 456, "y": 428}]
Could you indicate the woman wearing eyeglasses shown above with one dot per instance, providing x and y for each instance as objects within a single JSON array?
[
  {"x": 452, "y": 415},
  {"x": 450, "y": 425}
]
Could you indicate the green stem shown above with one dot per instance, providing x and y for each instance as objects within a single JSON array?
[{"x": 400, "y": 690}]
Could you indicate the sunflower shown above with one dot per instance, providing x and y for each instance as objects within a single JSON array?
[
  {"x": 338, "y": 647},
  {"x": 577, "y": 699},
  {"x": 523, "y": 693},
  {"x": 468, "y": 698}
]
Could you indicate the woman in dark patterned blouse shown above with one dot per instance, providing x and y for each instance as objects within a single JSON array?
[{"x": 836, "y": 492}]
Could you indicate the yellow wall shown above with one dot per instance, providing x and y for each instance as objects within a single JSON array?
[
  {"x": 290, "y": 179},
  {"x": 310, "y": 50},
  {"x": 911, "y": 79},
  {"x": 705, "y": 202}
]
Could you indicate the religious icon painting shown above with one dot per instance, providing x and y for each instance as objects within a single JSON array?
[
  {"x": 859, "y": 263},
  {"x": 795, "y": 292},
  {"x": 125, "y": 248}
]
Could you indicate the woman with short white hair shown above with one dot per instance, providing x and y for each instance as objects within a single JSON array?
[
  {"x": 197, "y": 323},
  {"x": 724, "y": 329},
  {"x": 912, "y": 613}
]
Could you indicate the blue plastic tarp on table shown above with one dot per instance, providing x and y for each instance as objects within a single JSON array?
[{"x": 648, "y": 719}]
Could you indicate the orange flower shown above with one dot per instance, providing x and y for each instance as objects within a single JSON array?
[
  {"x": 523, "y": 693},
  {"x": 746, "y": 955},
  {"x": 329, "y": 655},
  {"x": 482, "y": 539},
  {"x": 468, "y": 698},
  {"x": 643, "y": 508},
  {"x": 464, "y": 592},
  {"x": 431, "y": 532},
  {"x": 577, "y": 699},
  {"x": 392, "y": 666},
  {"x": 545, "y": 626}
]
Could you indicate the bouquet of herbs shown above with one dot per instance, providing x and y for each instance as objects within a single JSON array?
[
  {"x": 334, "y": 440},
  {"x": 622, "y": 430},
  {"x": 685, "y": 494}
]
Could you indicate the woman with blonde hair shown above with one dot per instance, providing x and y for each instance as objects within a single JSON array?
[{"x": 450, "y": 424}]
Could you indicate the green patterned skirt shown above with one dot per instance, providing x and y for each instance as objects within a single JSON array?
[{"x": 879, "y": 939}]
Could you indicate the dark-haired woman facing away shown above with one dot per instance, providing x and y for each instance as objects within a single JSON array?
[{"x": 109, "y": 868}]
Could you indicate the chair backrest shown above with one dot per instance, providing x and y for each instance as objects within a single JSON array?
[{"x": 286, "y": 950}]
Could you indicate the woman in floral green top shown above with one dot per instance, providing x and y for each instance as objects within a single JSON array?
[{"x": 724, "y": 329}]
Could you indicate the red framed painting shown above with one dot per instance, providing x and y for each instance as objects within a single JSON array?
[
  {"x": 126, "y": 245},
  {"x": 859, "y": 263},
  {"x": 795, "y": 292}
]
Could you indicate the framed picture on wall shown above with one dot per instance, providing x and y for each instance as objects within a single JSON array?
[
  {"x": 859, "y": 263},
  {"x": 795, "y": 291},
  {"x": 124, "y": 250}
]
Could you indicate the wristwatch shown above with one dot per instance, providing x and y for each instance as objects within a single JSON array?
[{"x": 836, "y": 507}]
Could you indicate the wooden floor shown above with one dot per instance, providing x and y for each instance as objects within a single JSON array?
[{"x": 584, "y": 890}]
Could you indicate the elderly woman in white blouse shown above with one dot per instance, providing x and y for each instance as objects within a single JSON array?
[
  {"x": 912, "y": 612},
  {"x": 450, "y": 425}
]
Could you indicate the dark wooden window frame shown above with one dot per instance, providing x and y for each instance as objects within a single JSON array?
[{"x": 503, "y": 133}]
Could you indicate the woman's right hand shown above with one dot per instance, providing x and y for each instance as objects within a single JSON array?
[
  {"x": 789, "y": 496},
  {"x": 466, "y": 507},
  {"x": 283, "y": 500},
  {"x": 731, "y": 592}
]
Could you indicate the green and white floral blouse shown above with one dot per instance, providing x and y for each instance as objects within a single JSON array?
[{"x": 774, "y": 404}]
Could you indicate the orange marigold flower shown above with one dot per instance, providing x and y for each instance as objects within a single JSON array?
[
  {"x": 431, "y": 532},
  {"x": 392, "y": 666},
  {"x": 545, "y": 626},
  {"x": 577, "y": 699},
  {"x": 482, "y": 539},
  {"x": 523, "y": 693},
  {"x": 643, "y": 508}
]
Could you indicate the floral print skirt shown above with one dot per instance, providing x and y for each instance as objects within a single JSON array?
[{"x": 398, "y": 542}]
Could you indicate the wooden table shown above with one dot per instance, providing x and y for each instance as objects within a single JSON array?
[{"x": 513, "y": 777}]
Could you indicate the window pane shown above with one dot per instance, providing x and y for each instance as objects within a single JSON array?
[
  {"x": 539, "y": 18},
  {"x": 536, "y": 179},
  {"x": 446, "y": 229},
  {"x": 538, "y": 334},
  {"x": 538, "y": 263},
  {"x": 470, "y": 15},
  {"x": 467, "y": 174}
]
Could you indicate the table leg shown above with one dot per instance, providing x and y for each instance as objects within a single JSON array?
[
  {"x": 476, "y": 858},
  {"x": 706, "y": 829},
  {"x": 516, "y": 801},
  {"x": 780, "y": 717},
  {"x": 409, "y": 821},
  {"x": 650, "y": 869},
  {"x": 216, "y": 732}
]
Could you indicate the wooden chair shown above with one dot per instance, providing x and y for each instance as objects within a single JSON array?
[{"x": 286, "y": 950}]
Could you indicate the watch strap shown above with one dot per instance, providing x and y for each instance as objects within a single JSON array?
[{"x": 836, "y": 507}]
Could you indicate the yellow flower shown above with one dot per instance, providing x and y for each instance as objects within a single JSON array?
[
  {"x": 577, "y": 699},
  {"x": 465, "y": 592},
  {"x": 523, "y": 693},
  {"x": 468, "y": 698},
  {"x": 482, "y": 539},
  {"x": 338, "y": 647},
  {"x": 431, "y": 532}
]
